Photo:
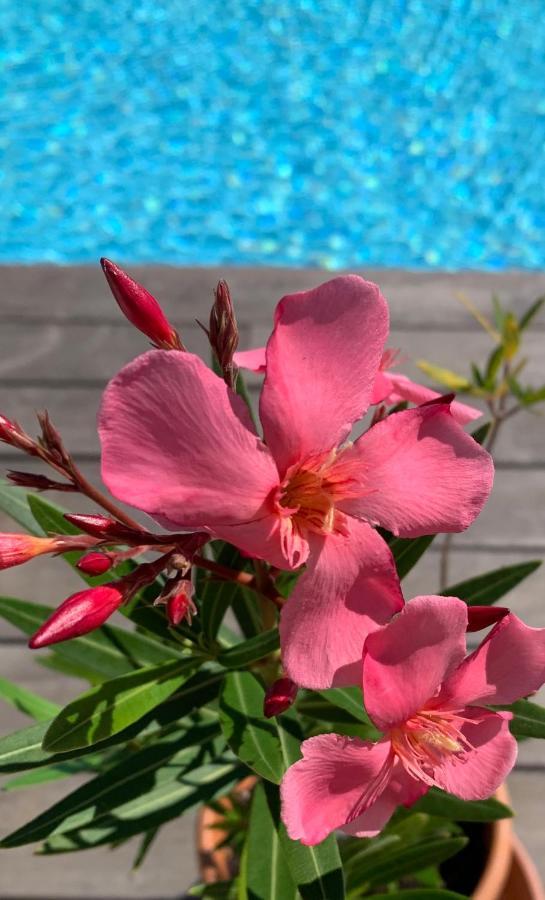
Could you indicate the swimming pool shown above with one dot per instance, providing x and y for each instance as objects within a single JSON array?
[{"x": 297, "y": 132}]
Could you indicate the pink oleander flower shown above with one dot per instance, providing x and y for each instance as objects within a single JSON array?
[
  {"x": 79, "y": 614},
  {"x": 180, "y": 445},
  {"x": 429, "y": 699},
  {"x": 389, "y": 387}
]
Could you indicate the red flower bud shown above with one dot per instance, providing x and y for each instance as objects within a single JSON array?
[
  {"x": 79, "y": 614},
  {"x": 180, "y": 604},
  {"x": 94, "y": 563},
  {"x": 141, "y": 308},
  {"x": 479, "y": 617},
  {"x": 279, "y": 697},
  {"x": 105, "y": 528},
  {"x": 223, "y": 332},
  {"x": 16, "y": 549}
]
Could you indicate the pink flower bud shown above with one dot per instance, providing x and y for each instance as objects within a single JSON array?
[
  {"x": 79, "y": 614},
  {"x": 16, "y": 549},
  {"x": 180, "y": 604},
  {"x": 104, "y": 528},
  {"x": 141, "y": 308},
  {"x": 94, "y": 563},
  {"x": 479, "y": 617},
  {"x": 279, "y": 697}
]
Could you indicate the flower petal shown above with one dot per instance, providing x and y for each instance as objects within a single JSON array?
[
  {"x": 402, "y": 388},
  {"x": 320, "y": 791},
  {"x": 322, "y": 359},
  {"x": 481, "y": 771},
  {"x": 178, "y": 444},
  {"x": 382, "y": 388},
  {"x": 350, "y": 587},
  {"x": 252, "y": 360},
  {"x": 405, "y": 662},
  {"x": 263, "y": 539},
  {"x": 508, "y": 664},
  {"x": 402, "y": 790},
  {"x": 420, "y": 473}
]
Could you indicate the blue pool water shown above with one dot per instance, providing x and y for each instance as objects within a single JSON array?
[{"x": 294, "y": 132}]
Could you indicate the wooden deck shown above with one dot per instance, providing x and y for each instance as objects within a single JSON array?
[{"x": 62, "y": 337}]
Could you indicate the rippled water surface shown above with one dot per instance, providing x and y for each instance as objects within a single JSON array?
[{"x": 300, "y": 133}]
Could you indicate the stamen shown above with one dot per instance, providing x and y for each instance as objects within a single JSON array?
[{"x": 428, "y": 739}]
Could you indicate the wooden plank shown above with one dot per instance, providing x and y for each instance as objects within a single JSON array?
[{"x": 417, "y": 299}]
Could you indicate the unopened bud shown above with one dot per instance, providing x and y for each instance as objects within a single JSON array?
[
  {"x": 279, "y": 697},
  {"x": 51, "y": 440},
  {"x": 94, "y": 563},
  {"x": 79, "y": 614},
  {"x": 39, "y": 482},
  {"x": 16, "y": 549},
  {"x": 180, "y": 605},
  {"x": 11, "y": 433},
  {"x": 105, "y": 528},
  {"x": 479, "y": 617},
  {"x": 223, "y": 333},
  {"x": 141, "y": 308}
]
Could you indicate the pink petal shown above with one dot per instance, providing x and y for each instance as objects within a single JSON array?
[
  {"x": 322, "y": 359},
  {"x": 405, "y": 662},
  {"x": 178, "y": 444},
  {"x": 320, "y": 791},
  {"x": 263, "y": 539},
  {"x": 481, "y": 771},
  {"x": 421, "y": 473},
  {"x": 252, "y": 360},
  {"x": 350, "y": 587},
  {"x": 382, "y": 388},
  {"x": 402, "y": 790},
  {"x": 405, "y": 389},
  {"x": 508, "y": 664}
]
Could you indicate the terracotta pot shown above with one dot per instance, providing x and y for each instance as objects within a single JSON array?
[{"x": 509, "y": 873}]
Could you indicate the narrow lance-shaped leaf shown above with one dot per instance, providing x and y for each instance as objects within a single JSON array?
[
  {"x": 27, "y": 701},
  {"x": 528, "y": 719},
  {"x": 266, "y": 870},
  {"x": 253, "y": 738},
  {"x": 250, "y": 651},
  {"x": 114, "y": 705},
  {"x": 438, "y": 803},
  {"x": 484, "y": 590}
]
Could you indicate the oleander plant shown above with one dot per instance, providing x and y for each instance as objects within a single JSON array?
[{"x": 242, "y": 623}]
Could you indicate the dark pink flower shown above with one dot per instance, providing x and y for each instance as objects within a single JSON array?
[
  {"x": 429, "y": 699},
  {"x": 179, "y": 444}
]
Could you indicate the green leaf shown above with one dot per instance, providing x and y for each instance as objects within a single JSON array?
[
  {"x": 317, "y": 871},
  {"x": 22, "y": 749},
  {"x": 266, "y": 871},
  {"x": 45, "y": 774},
  {"x": 215, "y": 597},
  {"x": 250, "y": 651},
  {"x": 407, "y": 552},
  {"x": 494, "y": 362},
  {"x": 114, "y": 705},
  {"x": 14, "y": 503},
  {"x": 27, "y": 701},
  {"x": 483, "y": 590},
  {"x": 528, "y": 720},
  {"x": 397, "y": 862},
  {"x": 253, "y": 738},
  {"x": 167, "y": 800},
  {"x": 107, "y": 652},
  {"x": 531, "y": 312},
  {"x": 438, "y": 803},
  {"x": 129, "y": 780},
  {"x": 481, "y": 433},
  {"x": 350, "y": 699}
]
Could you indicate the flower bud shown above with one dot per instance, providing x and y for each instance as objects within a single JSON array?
[
  {"x": 279, "y": 697},
  {"x": 141, "y": 308},
  {"x": 94, "y": 563},
  {"x": 105, "y": 528},
  {"x": 39, "y": 482},
  {"x": 11, "y": 433},
  {"x": 223, "y": 333},
  {"x": 16, "y": 549},
  {"x": 479, "y": 617},
  {"x": 79, "y": 614},
  {"x": 180, "y": 604}
]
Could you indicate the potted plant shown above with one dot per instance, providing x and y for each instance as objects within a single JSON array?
[{"x": 304, "y": 538}]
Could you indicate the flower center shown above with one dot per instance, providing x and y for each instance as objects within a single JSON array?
[
  {"x": 309, "y": 493},
  {"x": 427, "y": 739}
]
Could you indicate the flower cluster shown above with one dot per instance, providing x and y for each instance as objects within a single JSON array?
[{"x": 179, "y": 444}]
